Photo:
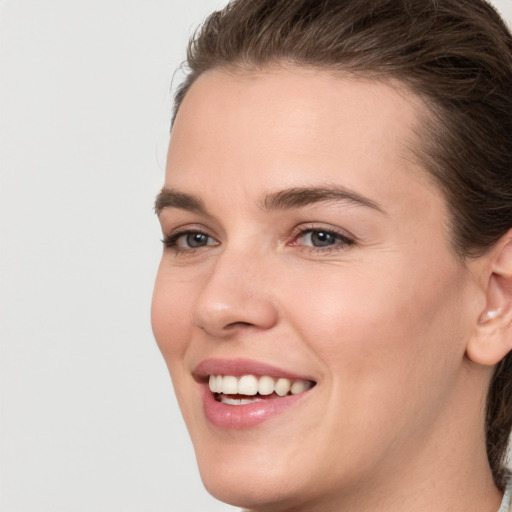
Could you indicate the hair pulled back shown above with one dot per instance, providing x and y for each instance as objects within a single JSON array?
[{"x": 454, "y": 54}]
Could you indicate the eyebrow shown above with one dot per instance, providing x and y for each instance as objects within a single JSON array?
[
  {"x": 287, "y": 199},
  {"x": 302, "y": 196},
  {"x": 168, "y": 198}
]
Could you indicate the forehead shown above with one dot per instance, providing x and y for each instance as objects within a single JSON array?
[
  {"x": 294, "y": 126},
  {"x": 298, "y": 95}
]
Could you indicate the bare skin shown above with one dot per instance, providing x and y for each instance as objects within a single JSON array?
[{"x": 358, "y": 289}]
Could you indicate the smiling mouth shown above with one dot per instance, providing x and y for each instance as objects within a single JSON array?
[{"x": 249, "y": 389}]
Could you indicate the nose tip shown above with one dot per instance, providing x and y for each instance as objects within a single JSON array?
[
  {"x": 231, "y": 302},
  {"x": 222, "y": 318}
]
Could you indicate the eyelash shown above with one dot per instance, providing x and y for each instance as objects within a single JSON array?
[
  {"x": 171, "y": 241},
  {"x": 342, "y": 243}
]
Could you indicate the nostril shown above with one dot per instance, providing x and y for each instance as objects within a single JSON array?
[{"x": 238, "y": 324}]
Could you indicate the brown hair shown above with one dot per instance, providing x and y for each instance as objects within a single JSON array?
[{"x": 455, "y": 54}]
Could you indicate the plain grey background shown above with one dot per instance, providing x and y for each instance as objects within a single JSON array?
[{"x": 88, "y": 418}]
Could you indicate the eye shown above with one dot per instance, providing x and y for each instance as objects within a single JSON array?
[
  {"x": 193, "y": 240},
  {"x": 183, "y": 241},
  {"x": 322, "y": 239},
  {"x": 319, "y": 238}
]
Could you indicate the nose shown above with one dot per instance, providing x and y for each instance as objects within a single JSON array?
[{"x": 237, "y": 295}]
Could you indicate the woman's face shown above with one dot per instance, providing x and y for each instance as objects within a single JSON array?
[{"x": 304, "y": 243}]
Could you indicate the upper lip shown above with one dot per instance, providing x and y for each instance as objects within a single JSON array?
[{"x": 239, "y": 367}]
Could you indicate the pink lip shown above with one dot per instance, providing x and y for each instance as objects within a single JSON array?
[{"x": 242, "y": 416}]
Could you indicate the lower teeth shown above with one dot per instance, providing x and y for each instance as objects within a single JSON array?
[{"x": 229, "y": 400}]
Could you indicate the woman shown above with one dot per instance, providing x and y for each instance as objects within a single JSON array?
[{"x": 334, "y": 297}]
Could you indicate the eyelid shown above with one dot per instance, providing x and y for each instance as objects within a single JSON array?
[
  {"x": 346, "y": 239},
  {"x": 169, "y": 240}
]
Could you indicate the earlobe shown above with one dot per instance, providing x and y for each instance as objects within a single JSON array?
[
  {"x": 489, "y": 315},
  {"x": 492, "y": 339}
]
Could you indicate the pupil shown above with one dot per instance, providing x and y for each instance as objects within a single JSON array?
[
  {"x": 196, "y": 240},
  {"x": 320, "y": 238}
]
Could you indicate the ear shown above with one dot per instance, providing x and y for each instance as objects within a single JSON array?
[{"x": 492, "y": 339}]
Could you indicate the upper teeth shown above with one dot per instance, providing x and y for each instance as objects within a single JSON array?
[{"x": 251, "y": 385}]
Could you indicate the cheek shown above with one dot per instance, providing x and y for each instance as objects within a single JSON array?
[
  {"x": 170, "y": 315},
  {"x": 391, "y": 352},
  {"x": 386, "y": 329}
]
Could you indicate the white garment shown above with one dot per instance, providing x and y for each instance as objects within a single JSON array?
[{"x": 506, "y": 504}]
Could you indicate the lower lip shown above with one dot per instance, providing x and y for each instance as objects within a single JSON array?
[{"x": 244, "y": 416}]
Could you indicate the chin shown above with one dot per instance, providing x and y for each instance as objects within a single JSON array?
[
  {"x": 251, "y": 489},
  {"x": 251, "y": 474}
]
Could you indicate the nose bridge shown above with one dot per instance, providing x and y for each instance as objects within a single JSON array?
[{"x": 236, "y": 293}]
